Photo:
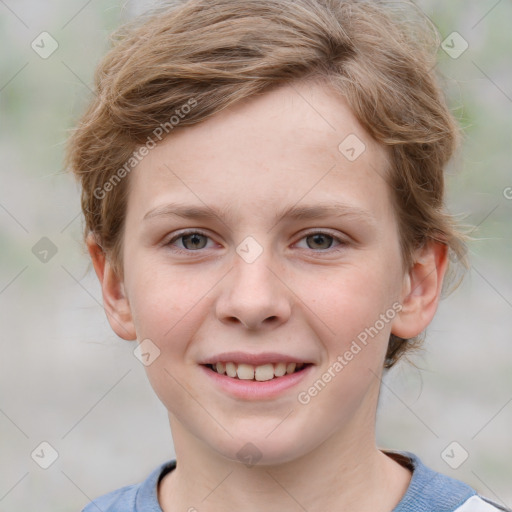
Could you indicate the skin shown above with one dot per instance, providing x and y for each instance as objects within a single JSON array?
[{"x": 301, "y": 297}]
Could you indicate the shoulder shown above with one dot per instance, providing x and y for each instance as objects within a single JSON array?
[
  {"x": 430, "y": 490},
  {"x": 133, "y": 498},
  {"x": 480, "y": 504},
  {"x": 121, "y": 499}
]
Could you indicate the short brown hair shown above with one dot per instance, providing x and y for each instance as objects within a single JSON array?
[{"x": 210, "y": 54}]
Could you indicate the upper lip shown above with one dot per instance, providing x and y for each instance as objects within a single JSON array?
[{"x": 253, "y": 359}]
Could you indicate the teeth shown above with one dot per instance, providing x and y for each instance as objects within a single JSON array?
[
  {"x": 245, "y": 371},
  {"x": 279, "y": 369},
  {"x": 260, "y": 373},
  {"x": 231, "y": 369},
  {"x": 264, "y": 372}
]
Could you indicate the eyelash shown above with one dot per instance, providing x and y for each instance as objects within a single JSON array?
[{"x": 342, "y": 243}]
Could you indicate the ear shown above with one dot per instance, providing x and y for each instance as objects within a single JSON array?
[
  {"x": 115, "y": 302},
  {"x": 421, "y": 290}
]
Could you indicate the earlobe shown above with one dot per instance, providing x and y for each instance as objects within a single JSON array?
[
  {"x": 115, "y": 301},
  {"x": 421, "y": 290}
]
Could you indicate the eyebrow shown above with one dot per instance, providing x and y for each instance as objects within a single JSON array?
[{"x": 304, "y": 212}]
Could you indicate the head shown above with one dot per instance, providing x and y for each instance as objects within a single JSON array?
[{"x": 250, "y": 109}]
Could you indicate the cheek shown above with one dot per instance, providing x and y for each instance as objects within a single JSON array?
[
  {"x": 162, "y": 301},
  {"x": 353, "y": 300}
]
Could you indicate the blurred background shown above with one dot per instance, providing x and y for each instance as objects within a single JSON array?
[{"x": 65, "y": 379}]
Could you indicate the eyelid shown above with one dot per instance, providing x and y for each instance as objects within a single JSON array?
[
  {"x": 183, "y": 233},
  {"x": 342, "y": 240}
]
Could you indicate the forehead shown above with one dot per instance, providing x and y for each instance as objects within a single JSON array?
[{"x": 296, "y": 143}]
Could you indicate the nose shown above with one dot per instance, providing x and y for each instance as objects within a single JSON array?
[{"x": 254, "y": 295}]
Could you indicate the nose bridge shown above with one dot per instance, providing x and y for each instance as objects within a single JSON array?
[{"x": 253, "y": 294}]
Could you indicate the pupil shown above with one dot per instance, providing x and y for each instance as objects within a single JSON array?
[
  {"x": 321, "y": 237},
  {"x": 195, "y": 238}
]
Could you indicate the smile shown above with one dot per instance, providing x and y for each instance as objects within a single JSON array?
[{"x": 259, "y": 373}]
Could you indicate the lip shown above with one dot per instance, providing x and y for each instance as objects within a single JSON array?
[
  {"x": 253, "y": 389},
  {"x": 254, "y": 359}
]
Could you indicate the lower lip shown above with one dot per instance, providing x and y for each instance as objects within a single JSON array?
[{"x": 256, "y": 390}]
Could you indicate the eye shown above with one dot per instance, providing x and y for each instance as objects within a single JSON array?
[
  {"x": 320, "y": 240},
  {"x": 191, "y": 241}
]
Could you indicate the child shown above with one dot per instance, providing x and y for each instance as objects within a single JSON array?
[{"x": 227, "y": 141}]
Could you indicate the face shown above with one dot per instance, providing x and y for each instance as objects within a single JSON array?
[{"x": 258, "y": 239}]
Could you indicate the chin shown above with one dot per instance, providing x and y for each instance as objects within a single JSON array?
[{"x": 263, "y": 449}]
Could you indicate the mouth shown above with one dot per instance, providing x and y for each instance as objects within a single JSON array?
[{"x": 260, "y": 373}]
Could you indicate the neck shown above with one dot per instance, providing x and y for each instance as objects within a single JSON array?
[{"x": 346, "y": 472}]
